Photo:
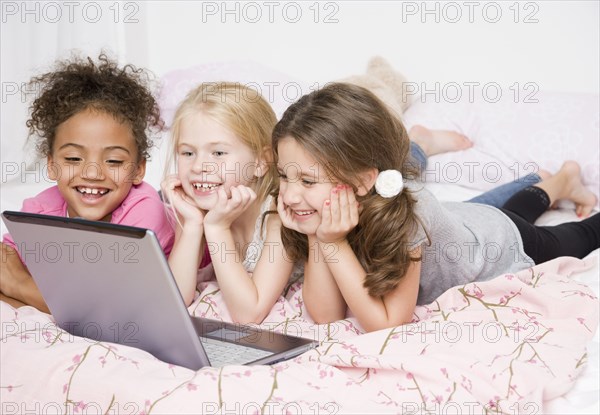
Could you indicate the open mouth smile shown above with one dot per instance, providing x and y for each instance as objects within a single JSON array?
[
  {"x": 205, "y": 187},
  {"x": 92, "y": 191},
  {"x": 303, "y": 214}
]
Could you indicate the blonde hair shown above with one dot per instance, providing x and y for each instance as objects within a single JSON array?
[
  {"x": 238, "y": 108},
  {"x": 348, "y": 130}
]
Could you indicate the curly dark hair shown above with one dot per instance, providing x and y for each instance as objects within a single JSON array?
[{"x": 78, "y": 84}]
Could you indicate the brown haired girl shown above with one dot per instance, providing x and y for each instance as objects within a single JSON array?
[{"x": 373, "y": 239}]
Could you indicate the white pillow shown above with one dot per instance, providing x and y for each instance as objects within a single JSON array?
[
  {"x": 507, "y": 135},
  {"x": 279, "y": 89}
]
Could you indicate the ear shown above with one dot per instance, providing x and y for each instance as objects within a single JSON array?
[
  {"x": 367, "y": 181},
  {"x": 140, "y": 172},
  {"x": 263, "y": 159},
  {"x": 53, "y": 169}
]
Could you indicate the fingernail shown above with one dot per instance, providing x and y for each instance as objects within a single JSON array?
[{"x": 327, "y": 202}]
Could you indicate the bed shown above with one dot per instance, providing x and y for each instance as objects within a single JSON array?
[{"x": 522, "y": 343}]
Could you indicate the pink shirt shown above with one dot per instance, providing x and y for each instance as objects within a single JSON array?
[{"x": 141, "y": 208}]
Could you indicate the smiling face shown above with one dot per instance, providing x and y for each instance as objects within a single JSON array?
[
  {"x": 209, "y": 157},
  {"x": 94, "y": 161},
  {"x": 304, "y": 185}
]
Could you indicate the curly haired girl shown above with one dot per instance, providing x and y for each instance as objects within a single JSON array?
[{"x": 91, "y": 122}]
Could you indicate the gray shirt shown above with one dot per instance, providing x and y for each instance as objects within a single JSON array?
[{"x": 467, "y": 242}]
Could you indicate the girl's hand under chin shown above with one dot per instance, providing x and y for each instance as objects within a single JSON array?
[
  {"x": 228, "y": 209},
  {"x": 185, "y": 207},
  {"x": 339, "y": 215}
]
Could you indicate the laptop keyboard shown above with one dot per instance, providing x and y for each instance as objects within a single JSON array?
[{"x": 221, "y": 353}]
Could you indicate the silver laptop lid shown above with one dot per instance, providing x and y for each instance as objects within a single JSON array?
[{"x": 115, "y": 289}]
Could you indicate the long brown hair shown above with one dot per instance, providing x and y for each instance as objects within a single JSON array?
[{"x": 348, "y": 131}]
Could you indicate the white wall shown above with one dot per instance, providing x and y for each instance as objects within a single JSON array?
[{"x": 553, "y": 43}]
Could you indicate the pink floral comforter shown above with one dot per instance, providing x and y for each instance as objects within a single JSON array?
[{"x": 502, "y": 346}]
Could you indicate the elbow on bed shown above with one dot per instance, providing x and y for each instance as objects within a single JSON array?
[
  {"x": 325, "y": 318},
  {"x": 375, "y": 325},
  {"x": 248, "y": 318},
  {"x": 187, "y": 299}
]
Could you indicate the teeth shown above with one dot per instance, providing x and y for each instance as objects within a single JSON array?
[
  {"x": 304, "y": 213},
  {"x": 205, "y": 186},
  {"x": 91, "y": 191}
]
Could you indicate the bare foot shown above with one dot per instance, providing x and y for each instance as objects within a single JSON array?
[
  {"x": 544, "y": 174},
  {"x": 567, "y": 184},
  {"x": 438, "y": 141}
]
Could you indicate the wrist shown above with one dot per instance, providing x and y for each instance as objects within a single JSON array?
[
  {"x": 333, "y": 244},
  {"x": 312, "y": 239},
  {"x": 215, "y": 229},
  {"x": 338, "y": 240},
  {"x": 195, "y": 229},
  {"x": 331, "y": 252}
]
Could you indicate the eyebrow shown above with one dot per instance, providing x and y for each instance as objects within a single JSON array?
[
  {"x": 79, "y": 146},
  {"x": 211, "y": 143}
]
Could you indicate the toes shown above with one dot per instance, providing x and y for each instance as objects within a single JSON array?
[
  {"x": 464, "y": 142},
  {"x": 584, "y": 211}
]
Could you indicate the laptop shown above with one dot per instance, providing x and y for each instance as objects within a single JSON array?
[{"x": 112, "y": 283}]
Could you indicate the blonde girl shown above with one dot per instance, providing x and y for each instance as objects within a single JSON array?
[{"x": 220, "y": 193}]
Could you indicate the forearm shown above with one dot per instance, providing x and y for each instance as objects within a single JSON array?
[
  {"x": 320, "y": 293},
  {"x": 373, "y": 313},
  {"x": 17, "y": 283},
  {"x": 30, "y": 294},
  {"x": 185, "y": 259},
  {"x": 239, "y": 291}
]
